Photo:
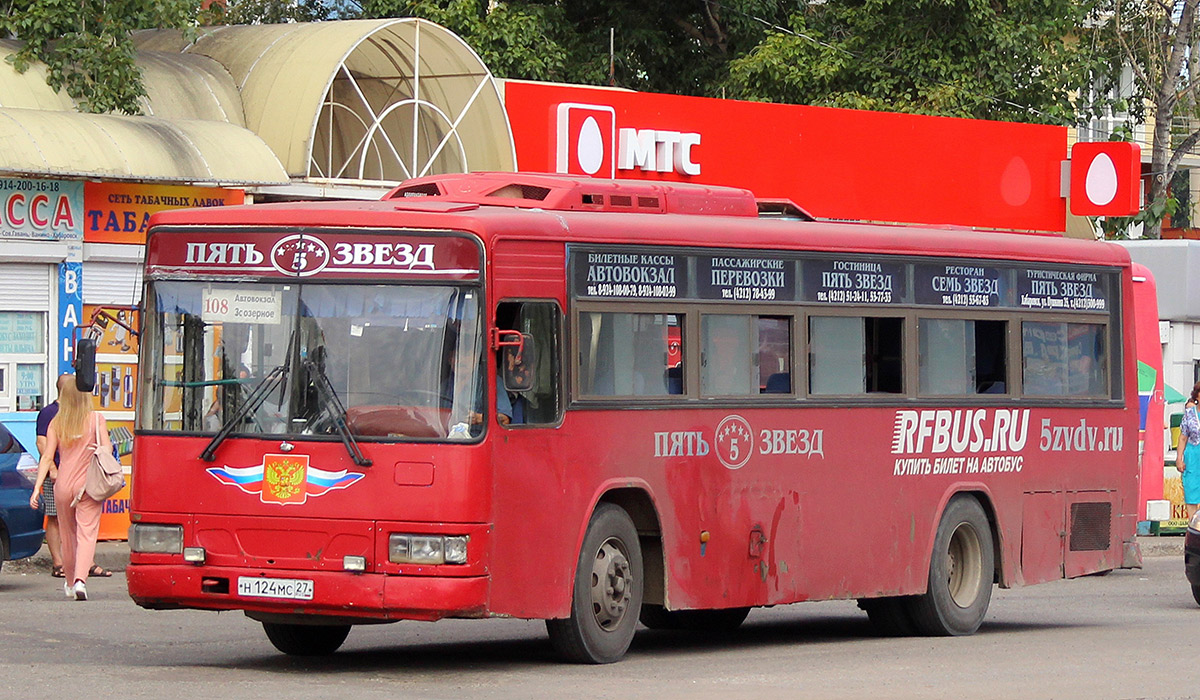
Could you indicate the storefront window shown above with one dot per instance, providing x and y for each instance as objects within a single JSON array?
[
  {"x": 31, "y": 390},
  {"x": 22, "y": 333},
  {"x": 23, "y": 356}
]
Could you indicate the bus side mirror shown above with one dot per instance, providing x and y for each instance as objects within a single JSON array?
[
  {"x": 85, "y": 365},
  {"x": 519, "y": 364}
]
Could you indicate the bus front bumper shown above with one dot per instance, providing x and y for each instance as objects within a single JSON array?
[{"x": 334, "y": 593}]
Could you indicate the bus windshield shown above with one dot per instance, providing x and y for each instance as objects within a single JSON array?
[{"x": 400, "y": 361}]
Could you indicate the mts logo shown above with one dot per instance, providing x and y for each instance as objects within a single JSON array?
[{"x": 589, "y": 143}]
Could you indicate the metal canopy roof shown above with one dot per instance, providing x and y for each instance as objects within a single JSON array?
[
  {"x": 202, "y": 140},
  {"x": 47, "y": 143},
  {"x": 361, "y": 100},
  {"x": 185, "y": 86},
  {"x": 28, "y": 90}
]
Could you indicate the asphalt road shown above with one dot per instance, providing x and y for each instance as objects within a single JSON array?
[{"x": 1131, "y": 634}]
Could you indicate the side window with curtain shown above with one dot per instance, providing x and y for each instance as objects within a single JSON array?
[
  {"x": 631, "y": 354},
  {"x": 542, "y": 322}
]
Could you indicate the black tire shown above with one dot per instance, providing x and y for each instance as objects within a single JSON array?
[
  {"x": 607, "y": 593},
  {"x": 961, "y": 572},
  {"x": 1196, "y": 593},
  {"x": 889, "y": 616},
  {"x": 306, "y": 640},
  {"x": 656, "y": 617}
]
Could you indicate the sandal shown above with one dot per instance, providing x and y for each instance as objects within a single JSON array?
[
  {"x": 99, "y": 572},
  {"x": 56, "y": 571}
]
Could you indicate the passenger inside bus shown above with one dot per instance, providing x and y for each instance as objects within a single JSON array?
[
  {"x": 534, "y": 399},
  {"x": 511, "y": 404}
]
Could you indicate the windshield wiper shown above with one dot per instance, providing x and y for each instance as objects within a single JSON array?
[
  {"x": 261, "y": 390},
  {"x": 332, "y": 405}
]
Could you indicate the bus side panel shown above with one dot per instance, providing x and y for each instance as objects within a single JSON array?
[{"x": 539, "y": 509}]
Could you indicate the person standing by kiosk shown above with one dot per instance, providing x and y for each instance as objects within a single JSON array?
[
  {"x": 74, "y": 435},
  {"x": 53, "y": 539}
]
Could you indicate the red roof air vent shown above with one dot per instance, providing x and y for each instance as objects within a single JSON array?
[{"x": 568, "y": 192}]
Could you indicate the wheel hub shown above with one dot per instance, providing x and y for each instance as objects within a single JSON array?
[
  {"x": 964, "y": 562},
  {"x": 612, "y": 582}
]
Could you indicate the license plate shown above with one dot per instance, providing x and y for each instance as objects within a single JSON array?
[{"x": 290, "y": 588}]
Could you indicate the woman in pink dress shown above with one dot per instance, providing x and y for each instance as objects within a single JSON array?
[{"x": 75, "y": 433}]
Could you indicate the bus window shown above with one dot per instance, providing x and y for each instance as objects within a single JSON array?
[
  {"x": 1064, "y": 359},
  {"x": 961, "y": 357},
  {"x": 626, "y": 354},
  {"x": 401, "y": 360},
  {"x": 542, "y": 322},
  {"x": 744, "y": 355},
  {"x": 854, "y": 355},
  {"x": 885, "y": 363}
]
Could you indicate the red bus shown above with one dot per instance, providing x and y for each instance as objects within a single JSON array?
[{"x": 463, "y": 401}]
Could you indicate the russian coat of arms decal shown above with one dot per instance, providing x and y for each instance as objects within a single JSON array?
[{"x": 284, "y": 479}]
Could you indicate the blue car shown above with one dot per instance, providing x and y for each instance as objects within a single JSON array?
[{"x": 21, "y": 530}]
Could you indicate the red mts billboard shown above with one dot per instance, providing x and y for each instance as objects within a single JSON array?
[{"x": 836, "y": 163}]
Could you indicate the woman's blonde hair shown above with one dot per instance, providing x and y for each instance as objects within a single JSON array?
[{"x": 74, "y": 407}]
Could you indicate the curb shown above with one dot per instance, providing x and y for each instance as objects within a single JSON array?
[
  {"x": 113, "y": 556},
  {"x": 1161, "y": 546}
]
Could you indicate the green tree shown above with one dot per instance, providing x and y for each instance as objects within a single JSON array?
[
  {"x": 1015, "y": 60},
  {"x": 674, "y": 46},
  {"x": 86, "y": 44},
  {"x": 280, "y": 11},
  {"x": 1156, "y": 42}
]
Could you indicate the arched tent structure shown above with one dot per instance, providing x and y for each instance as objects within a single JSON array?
[
  {"x": 44, "y": 143},
  {"x": 28, "y": 90},
  {"x": 359, "y": 100},
  {"x": 196, "y": 133},
  {"x": 186, "y": 86}
]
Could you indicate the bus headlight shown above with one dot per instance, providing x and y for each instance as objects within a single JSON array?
[
  {"x": 427, "y": 549},
  {"x": 156, "y": 539}
]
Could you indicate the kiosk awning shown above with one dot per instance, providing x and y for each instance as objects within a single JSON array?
[{"x": 45, "y": 143}]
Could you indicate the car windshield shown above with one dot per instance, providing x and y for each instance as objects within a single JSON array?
[{"x": 378, "y": 361}]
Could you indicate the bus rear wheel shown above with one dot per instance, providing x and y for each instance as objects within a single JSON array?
[
  {"x": 961, "y": 571},
  {"x": 306, "y": 640},
  {"x": 1196, "y": 593},
  {"x": 656, "y": 617},
  {"x": 607, "y": 594}
]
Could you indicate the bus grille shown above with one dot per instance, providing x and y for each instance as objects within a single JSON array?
[{"x": 1091, "y": 526}]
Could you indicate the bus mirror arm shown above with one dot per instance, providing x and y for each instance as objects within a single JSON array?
[
  {"x": 518, "y": 358},
  {"x": 506, "y": 338}
]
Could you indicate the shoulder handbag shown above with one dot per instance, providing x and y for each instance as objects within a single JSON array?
[{"x": 105, "y": 476}]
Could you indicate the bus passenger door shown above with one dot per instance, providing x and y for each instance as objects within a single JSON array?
[{"x": 533, "y": 553}]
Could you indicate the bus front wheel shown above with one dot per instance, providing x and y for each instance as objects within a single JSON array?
[
  {"x": 306, "y": 640},
  {"x": 607, "y": 594},
  {"x": 961, "y": 571}
]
